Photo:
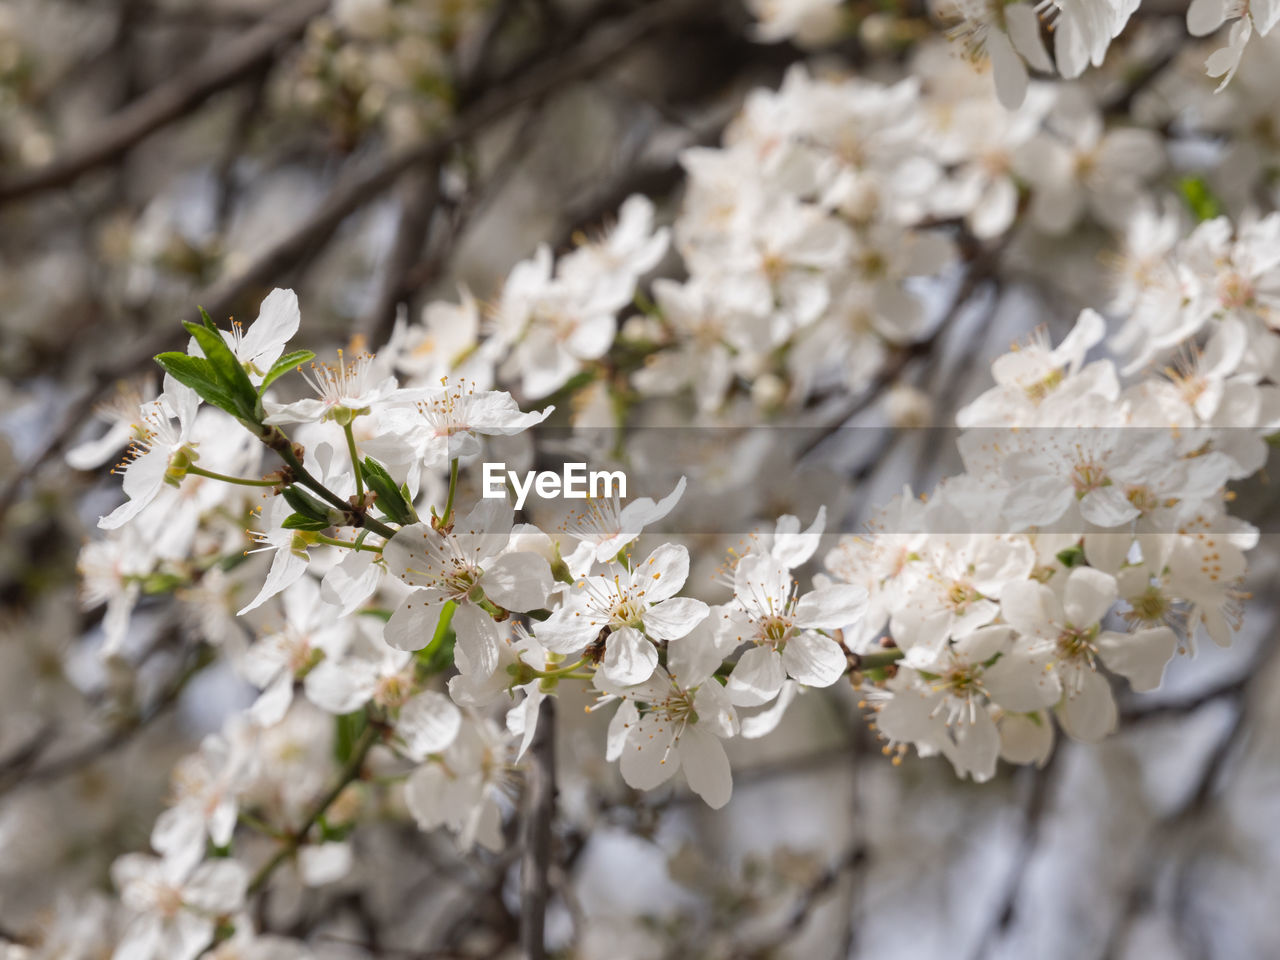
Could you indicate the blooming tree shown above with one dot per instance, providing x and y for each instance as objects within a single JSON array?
[{"x": 411, "y": 644}]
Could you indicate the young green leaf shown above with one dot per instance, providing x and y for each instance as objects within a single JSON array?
[
  {"x": 390, "y": 498},
  {"x": 230, "y": 374},
  {"x": 289, "y": 361},
  {"x": 296, "y": 521},
  {"x": 347, "y": 730},
  {"x": 198, "y": 374},
  {"x": 307, "y": 505}
]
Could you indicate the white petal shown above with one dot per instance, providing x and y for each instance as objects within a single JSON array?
[
  {"x": 353, "y": 581},
  {"x": 414, "y": 623},
  {"x": 1070, "y": 45},
  {"x": 1139, "y": 657},
  {"x": 1088, "y": 596},
  {"x": 663, "y": 572},
  {"x": 977, "y": 746},
  {"x": 1030, "y": 607},
  {"x": 1026, "y": 738},
  {"x": 179, "y": 834},
  {"x": 518, "y": 581},
  {"x": 832, "y": 607},
  {"x": 629, "y": 657},
  {"x": 477, "y": 647},
  {"x": 426, "y": 794},
  {"x": 277, "y": 322},
  {"x": 404, "y": 553},
  {"x": 568, "y": 629},
  {"x": 341, "y": 686},
  {"x": 706, "y": 766},
  {"x": 674, "y": 618},
  {"x": 273, "y": 703},
  {"x": 624, "y": 718},
  {"x": 1089, "y": 715},
  {"x": 325, "y": 863},
  {"x": 217, "y": 886},
  {"x": 1106, "y": 550},
  {"x": 185, "y": 936},
  {"x": 1024, "y": 31},
  {"x": 814, "y": 659},
  {"x": 1008, "y": 69},
  {"x": 141, "y": 940},
  {"x": 1020, "y": 680},
  {"x": 693, "y": 657},
  {"x": 756, "y": 678},
  {"x": 428, "y": 723},
  {"x": 1205, "y": 16},
  {"x": 715, "y": 710},
  {"x": 790, "y": 546},
  {"x": 647, "y": 759},
  {"x": 143, "y": 481},
  {"x": 765, "y": 721},
  {"x": 1108, "y": 507},
  {"x": 522, "y": 719},
  {"x": 287, "y": 569}
]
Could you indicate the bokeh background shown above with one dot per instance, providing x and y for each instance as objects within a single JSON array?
[{"x": 157, "y": 154}]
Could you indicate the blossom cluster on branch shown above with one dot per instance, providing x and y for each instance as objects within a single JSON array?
[{"x": 320, "y": 524}]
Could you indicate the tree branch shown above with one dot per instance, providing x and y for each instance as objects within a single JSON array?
[
  {"x": 117, "y": 134},
  {"x": 539, "y": 809},
  {"x": 607, "y": 44}
]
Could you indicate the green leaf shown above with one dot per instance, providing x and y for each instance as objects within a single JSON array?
[
  {"x": 289, "y": 361},
  {"x": 1071, "y": 557},
  {"x": 1199, "y": 198},
  {"x": 348, "y": 728},
  {"x": 305, "y": 504},
  {"x": 391, "y": 500},
  {"x": 296, "y": 521},
  {"x": 227, "y": 369},
  {"x": 198, "y": 374}
]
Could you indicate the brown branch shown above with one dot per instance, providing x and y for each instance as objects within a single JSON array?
[
  {"x": 419, "y": 195},
  {"x": 1244, "y": 697},
  {"x": 174, "y": 99},
  {"x": 807, "y": 901},
  {"x": 539, "y": 810},
  {"x": 981, "y": 270},
  {"x": 1039, "y": 802},
  {"x": 17, "y": 773},
  {"x": 607, "y": 45}
]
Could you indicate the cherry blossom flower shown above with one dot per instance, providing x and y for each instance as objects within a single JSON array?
[
  {"x": 784, "y": 630},
  {"x": 465, "y": 566},
  {"x": 160, "y": 453},
  {"x": 627, "y": 612},
  {"x": 175, "y": 908}
]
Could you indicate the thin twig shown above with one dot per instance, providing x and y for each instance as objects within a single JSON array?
[
  {"x": 539, "y": 809},
  {"x": 350, "y": 772},
  {"x": 168, "y": 102},
  {"x": 610, "y": 43}
]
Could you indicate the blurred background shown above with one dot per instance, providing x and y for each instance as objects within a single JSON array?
[{"x": 373, "y": 155}]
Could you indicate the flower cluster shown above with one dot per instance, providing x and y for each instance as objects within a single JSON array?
[
  {"x": 1009, "y": 38},
  {"x": 321, "y": 528}
]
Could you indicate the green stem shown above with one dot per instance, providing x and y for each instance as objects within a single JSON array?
[
  {"x": 355, "y": 460},
  {"x": 882, "y": 658},
  {"x": 257, "y": 823},
  {"x": 350, "y": 772},
  {"x": 240, "y": 481},
  {"x": 559, "y": 672},
  {"x": 304, "y": 477},
  {"x": 350, "y": 545}
]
